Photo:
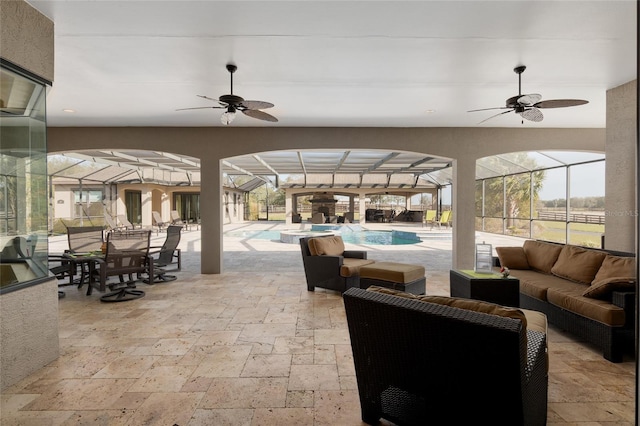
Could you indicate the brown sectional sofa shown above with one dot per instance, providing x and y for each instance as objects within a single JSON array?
[{"x": 588, "y": 292}]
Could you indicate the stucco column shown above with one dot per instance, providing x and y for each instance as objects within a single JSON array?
[
  {"x": 463, "y": 206},
  {"x": 620, "y": 176},
  {"x": 363, "y": 208},
  {"x": 211, "y": 216},
  {"x": 147, "y": 206},
  {"x": 288, "y": 208}
]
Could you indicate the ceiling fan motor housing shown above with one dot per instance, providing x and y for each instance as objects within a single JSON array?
[{"x": 231, "y": 99}]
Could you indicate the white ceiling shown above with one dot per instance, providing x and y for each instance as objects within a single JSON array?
[{"x": 383, "y": 63}]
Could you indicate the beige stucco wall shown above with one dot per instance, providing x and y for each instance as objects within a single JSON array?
[
  {"x": 26, "y": 38},
  {"x": 621, "y": 184},
  {"x": 28, "y": 317},
  {"x": 463, "y": 145}
]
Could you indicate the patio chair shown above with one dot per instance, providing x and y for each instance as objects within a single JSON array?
[
  {"x": 430, "y": 217},
  {"x": 126, "y": 254},
  {"x": 317, "y": 218},
  {"x": 167, "y": 255},
  {"x": 328, "y": 265},
  {"x": 128, "y": 226},
  {"x": 445, "y": 219},
  {"x": 111, "y": 223},
  {"x": 158, "y": 222},
  {"x": 177, "y": 220},
  {"x": 446, "y": 361},
  {"x": 85, "y": 239}
]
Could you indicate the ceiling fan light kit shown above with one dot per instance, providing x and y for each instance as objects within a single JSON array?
[
  {"x": 528, "y": 106},
  {"x": 232, "y": 103}
]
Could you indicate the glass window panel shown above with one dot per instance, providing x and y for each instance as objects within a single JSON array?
[
  {"x": 494, "y": 225},
  {"x": 551, "y": 198},
  {"x": 518, "y": 195},
  {"x": 586, "y": 186},
  {"x": 479, "y": 224},
  {"x": 549, "y": 231},
  {"x": 493, "y": 197},
  {"x": 518, "y": 227},
  {"x": 23, "y": 185},
  {"x": 586, "y": 234},
  {"x": 479, "y": 198}
]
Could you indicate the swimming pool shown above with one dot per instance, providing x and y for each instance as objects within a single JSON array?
[{"x": 357, "y": 237}]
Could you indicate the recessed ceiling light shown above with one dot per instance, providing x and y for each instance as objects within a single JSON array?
[
  {"x": 430, "y": 111},
  {"x": 68, "y": 110}
]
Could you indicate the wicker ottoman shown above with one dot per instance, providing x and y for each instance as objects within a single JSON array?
[{"x": 398, "y": 276}]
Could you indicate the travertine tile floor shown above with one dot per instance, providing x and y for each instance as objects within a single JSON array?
[{"x": 252, "y": 347}]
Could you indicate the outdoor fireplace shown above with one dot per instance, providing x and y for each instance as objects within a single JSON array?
[{"x": 323, "y": 202}]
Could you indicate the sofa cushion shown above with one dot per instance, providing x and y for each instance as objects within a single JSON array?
[
  {"x": 351, "y": 266},
  {"x": 577, "y": 264},
  {"x": 535, "y": 284},
  {"x": 326, "y": 246},
  {"x": 571, "y": 299},
  {"x": 603, "y": 288},
  {"x": 536, "y": 321},
  {"x": 615, "y": 266},
  {"x": 512, "y": 257},
  {"x": 540, "y": 255}
]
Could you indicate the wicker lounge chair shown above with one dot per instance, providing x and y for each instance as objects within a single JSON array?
[
  {"x": 421, "y": 363},
  {"x": 335, "y": 271}
]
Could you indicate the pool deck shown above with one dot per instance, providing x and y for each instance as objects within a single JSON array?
[{"x": 246, "y": 254}]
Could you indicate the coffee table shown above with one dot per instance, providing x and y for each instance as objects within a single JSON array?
[{"x": 488, "y": 287}]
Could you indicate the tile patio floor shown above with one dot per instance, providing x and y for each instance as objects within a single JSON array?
[{"x": 252, "y": 346}]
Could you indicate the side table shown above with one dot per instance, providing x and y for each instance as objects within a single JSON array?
[{"x": 488, "y": 287}]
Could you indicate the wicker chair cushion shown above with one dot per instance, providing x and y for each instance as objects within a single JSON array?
[
  {"x": 541, "y": 256},
  {"x": 615, "y": 267},
  {"x": 326, "y": 246},
  {"x": 578, "y": 264},
  {"x": 512, "y": 257},
  {"x": 460, "y": 303},
  {"x": 478, "y": 306},
  {"x": 351, "y": 266},
  {"x": 603, "y": 288}
]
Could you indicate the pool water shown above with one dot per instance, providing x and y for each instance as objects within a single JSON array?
[{"x": 359, "y": 237}]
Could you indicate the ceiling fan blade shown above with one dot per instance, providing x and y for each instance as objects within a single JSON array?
[
  {"x": 560, "y": 103},
  {"x": 529, "y": 99},
  {"x": 260, "y": 115},
  {"x": 532, "y": 114},
  {"x": 209, "y": 99},
  {"x": 488, "y": 109},
  {"x": 209, "y": 107},
  {"x": 256, "y": 104},
  {"x": 500, "y": 113}
]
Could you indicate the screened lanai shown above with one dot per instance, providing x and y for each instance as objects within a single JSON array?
[
  {"x": 522, "y": 194},
  {"x": 549, "y": 195}
]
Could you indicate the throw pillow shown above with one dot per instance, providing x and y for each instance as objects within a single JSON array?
[
  {"x": 540, "y": 255},
  {"x": 604, "y": 288},
  {"x": 615, "y": 266},
  {"x": 512, "y": 257},
  {"x": 577, "y": 264}
]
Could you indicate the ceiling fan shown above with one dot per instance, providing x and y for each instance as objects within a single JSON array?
[
  {"x": 528, "y": 106},
  {"x": 232, "y": 103}
]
